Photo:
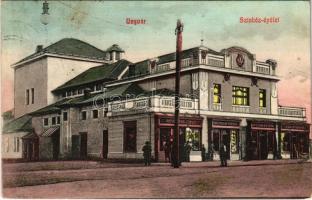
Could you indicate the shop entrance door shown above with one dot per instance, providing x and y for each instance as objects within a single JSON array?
[
  {"x": 226, "y": 142},
  {"x": 263, "y": 146},
  {"x": 164, "y": 144}
]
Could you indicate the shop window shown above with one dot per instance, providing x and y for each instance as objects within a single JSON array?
[
  {"x": 262, "y": 98},
  {"x": 65, "y": 116},
  {"x": 16, "y": 144},
  {"x": 234, "y": 141},
  {"x": 240, "y": 96},
  {"x": 216, "y": 93},
  {"x": 130, "y": 136},
  {"x": 46, "y": 121},
  {"x": 53, "y": 120},
  {"x": 95, "y": 114},
  {"x": 192, "y": 136},
  {"x": 216, "y": 140},
  {"x": 83, "y": 115}
]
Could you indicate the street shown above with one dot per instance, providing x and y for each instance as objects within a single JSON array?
[{"x": 91, "y": 179}]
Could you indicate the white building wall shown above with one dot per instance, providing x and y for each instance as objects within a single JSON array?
[
  {"x": 9, "y": 149},
  {"x": 31, "y": 75},
  {"x": 61, "y": 70}
]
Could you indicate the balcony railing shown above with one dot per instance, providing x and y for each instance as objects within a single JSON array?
[
  {"x": 217, "y": 106},
  {"x": 262, "y": 68},
  {"x": 292, "y": 111},
  {"x": 240, "y": 109},
  {"x": 153, "y": 103},
  {"x": 263, "y": 110}
]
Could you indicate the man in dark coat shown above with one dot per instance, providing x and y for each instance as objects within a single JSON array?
[
  {"x": 203, "y": 152},
  {"x": 147, "y": 153},
  {"x": 223, "y": 155}
]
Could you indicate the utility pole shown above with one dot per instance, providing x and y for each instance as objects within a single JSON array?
[{"x": 176, "y": 157}]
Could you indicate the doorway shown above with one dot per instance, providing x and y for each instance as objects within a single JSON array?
[
  {"x": 83, "y": 145},
  {"x": 56, "y": 145},
  {"x": 105, "y": 144}
]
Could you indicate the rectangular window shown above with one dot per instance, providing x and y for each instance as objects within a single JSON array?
[
  {"x": 79, "y": 91},
  {"x": 105, "y": 112},
  {"x": 32, "y": 95},
  {"x": 64, "y": 94},
  {"x": 83, "y": 115},
  {"x": 74, "y": 92},
  {"x": 16, "y": 144},
  {"x": 216, "y": 93},
  {"x": 46, "y": 121},
  {"x": 98, "y": 87},
  {"x": 240, "y": 96},
  {"x": 64, "y": 116},
  {"x": 130, "y": 132},
  {"x": 58, "y": 120},
  {"x": 262, "y": 98},
  {"x": 95, "y": 114},
  {"x": 27, "y": 97},
  {"x": 53, "y": 120}
]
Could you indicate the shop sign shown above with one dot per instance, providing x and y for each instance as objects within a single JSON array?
[
  {"x": 263, "y": 126},
  {"x": 225, "y": 124},
  {"x": 295, "y": 127},
  {"x": 183, "y": 121}
]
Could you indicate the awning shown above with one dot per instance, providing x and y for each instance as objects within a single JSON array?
[
  {"x": 30, "y": 136},
  {"x": 50, "y": 131}
]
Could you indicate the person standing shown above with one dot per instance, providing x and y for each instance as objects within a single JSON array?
[
  {"x": 203, "y": 152},
  {"x": 223, "y": 155},
  {"x": 147, "y": 153}
]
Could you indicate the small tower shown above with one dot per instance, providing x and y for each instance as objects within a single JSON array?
[{"x": 115, "y": 53}]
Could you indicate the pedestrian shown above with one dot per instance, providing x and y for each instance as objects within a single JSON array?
[
  {"x": 223, "y": 155},
  {"x": 147, "y": 153},
  {"x": 166, "y": 147},
  {"x": 203, "y": 152},
  {"x": 187, "y": 149}
]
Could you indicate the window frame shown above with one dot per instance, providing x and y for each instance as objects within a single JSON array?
[
  {"x": 27, "y": 97},
  {"x": 82, "y": 115},
  {"x": 65, "y": 114},
  {"x": 126, "y": 147},
  {"x": 263, "y": 98},
  {"x": 97, "y": 114},
  {"x": 244, "y": 97},
  {"x": 32, "y": 95},
  {"x": 217, "y": 93},
  {"x": 48, "y": 121}
]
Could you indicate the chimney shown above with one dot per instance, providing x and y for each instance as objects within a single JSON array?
[
  {"x": 87, "y": 92},
  {"x": 39, "y": 48}
]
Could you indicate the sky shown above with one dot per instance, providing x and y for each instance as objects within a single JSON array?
[{"x": 217, "y": 23}]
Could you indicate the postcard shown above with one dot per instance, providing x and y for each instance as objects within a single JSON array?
[{"x": 156, "y": 99}]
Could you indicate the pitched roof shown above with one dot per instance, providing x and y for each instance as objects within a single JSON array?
[
  {"x": 52, "y": 108},
  {"x": 94, "y": 74},
  {"x": 70, "y": 47},
  {"x": 22, "y": 123},
  {"x": 115, "y": 47}
]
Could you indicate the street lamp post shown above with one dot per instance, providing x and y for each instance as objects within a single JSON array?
[{"x": 178, "y": 32}]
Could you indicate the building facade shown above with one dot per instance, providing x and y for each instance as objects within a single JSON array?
[{"x": 227, "y": 97}]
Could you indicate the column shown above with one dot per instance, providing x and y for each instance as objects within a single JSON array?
[
  {"x": 278, "y": 140},
  {"x": 243, "y": 139},
  {"x": 204, "y": 131}
]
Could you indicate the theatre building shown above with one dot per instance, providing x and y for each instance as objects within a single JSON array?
[{"x": 112, "y": 108}]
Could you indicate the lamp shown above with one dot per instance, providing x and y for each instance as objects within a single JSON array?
[{"x": 45, "y": 17}]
